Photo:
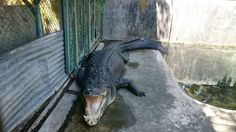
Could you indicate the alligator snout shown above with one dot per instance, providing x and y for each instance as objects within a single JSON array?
[
  {"x": 94, "y": 109},
  {"x": 91, "y": 120}
]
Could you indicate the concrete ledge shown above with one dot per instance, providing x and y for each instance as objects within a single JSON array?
[
  {"x": 202, "y": 65},
  {"x": 44, "y": 114},
  {"x": 165, "y": 108},
  {"x": 223, "y": 120},
  {"x": 58, "y": 115}
]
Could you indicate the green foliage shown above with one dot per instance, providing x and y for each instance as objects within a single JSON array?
[{"x": 221, "y": 95}]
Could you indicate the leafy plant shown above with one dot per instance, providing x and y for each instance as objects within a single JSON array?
[{"x": 221, "y": 95}]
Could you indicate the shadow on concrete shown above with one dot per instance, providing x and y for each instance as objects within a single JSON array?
[
  {"x": 1, "y": 122},
  {"x": 117, "y": 116},
  {"x": 1, "y": 126},
  {"x": 222, "y": 120}
]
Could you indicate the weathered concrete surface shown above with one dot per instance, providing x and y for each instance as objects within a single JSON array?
[
  {"x": 58, "y": 115},
  {"x": 222, "y": 120},
  {"x": 74, "y": 87},
  {"x": 48, "y": 108},
  {"x": 134, "y": 18},
  {"x": 202, "y": 65},
  {"x": 202, "y": 22},
  {"x": 165, "y": 108}
]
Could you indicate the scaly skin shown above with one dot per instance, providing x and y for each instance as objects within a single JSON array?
[{"x": 101, "y": 74}]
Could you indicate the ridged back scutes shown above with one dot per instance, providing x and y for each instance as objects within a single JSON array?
[
  {"x": 141, "y": 43},
  {"x": 97, "y": 71}
]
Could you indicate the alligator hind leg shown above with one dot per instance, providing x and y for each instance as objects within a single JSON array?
[{"x": 131, "y": 87}]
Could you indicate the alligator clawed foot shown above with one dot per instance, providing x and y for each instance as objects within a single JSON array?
[{"x": 141, "y": 94}]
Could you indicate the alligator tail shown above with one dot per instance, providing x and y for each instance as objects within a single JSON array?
[{"x": 142, "y": 43}]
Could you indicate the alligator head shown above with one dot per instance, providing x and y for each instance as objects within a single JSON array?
[{"x": 96, "y": 101}]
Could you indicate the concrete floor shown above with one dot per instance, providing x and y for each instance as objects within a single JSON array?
[{"x": 165, "y": 108}]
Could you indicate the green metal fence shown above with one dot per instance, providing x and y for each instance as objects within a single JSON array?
[
  {"x": 82, "y": 28},
  {"x": 22, "y": 21}
]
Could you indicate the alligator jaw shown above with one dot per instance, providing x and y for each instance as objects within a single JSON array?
[{"x": 94, "y": 109}]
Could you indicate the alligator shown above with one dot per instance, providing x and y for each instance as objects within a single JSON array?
[{"x": 100, "y": 75}]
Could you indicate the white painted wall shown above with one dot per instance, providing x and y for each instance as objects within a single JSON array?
[
  {"x": 201, "y": 33},
  {"x": 211, "y": 22}
]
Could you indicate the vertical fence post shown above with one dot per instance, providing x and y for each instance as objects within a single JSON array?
[
  {"x": 66, "y": 35},
  {"x": 79, "y": 28},
  {"x": 75, "y": 31},
  {"x": 38, "y": 19},
  {"x": 89, "y": 25},
  {"x": 93, "y": 21},
  {"x": 101, "y": 18}
]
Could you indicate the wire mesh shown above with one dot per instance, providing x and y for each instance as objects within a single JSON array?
[
  {"x": 18, "y": 21},
  {"x": 50, "y": 15}
]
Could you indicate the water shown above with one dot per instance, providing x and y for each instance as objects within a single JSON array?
[
  {"x": 133, "y": 65},
  {"x": 221, "y": 95},
  {"x": 118, "y": 115}
]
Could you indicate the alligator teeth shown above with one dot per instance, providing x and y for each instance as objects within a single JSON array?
[
  {"x": 86, "y": 119},
  {"x": 104, "y": 93}
]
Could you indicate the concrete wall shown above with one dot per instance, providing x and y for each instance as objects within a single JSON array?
[
  {"x": 204, "y": 22},
  {"x": 205, "y": 65},
  {"x": 132, "y": 18},
  {"x": 203, "y": 40},
  {"x": 211, "y": 22},
  {"x": 29, "y": 75},
  {"x": 201, "y": 34}
]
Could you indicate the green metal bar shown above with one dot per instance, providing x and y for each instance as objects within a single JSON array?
[
  {"x": 81, "y": 28},
  {"x": 66, "y": 35},
  {"x": 38, "y": 19},
  {"x": 79, "y": 22},
  {"x": 89, "y": 26},
  {"x": 28, "y": 4},
  {"x": 101, "y": 21},
  {"x": 75, "y": 32},
  {"x": 86, "y": 22},
  {"x": 94, "y": 25},
  {"x": 37, "y": 14}
]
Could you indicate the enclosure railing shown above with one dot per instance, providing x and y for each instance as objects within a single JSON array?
[
  {"x": 31, "y": 71},
  {"x": 82, "y": 26},
  {"x": 22, "y": 21}
]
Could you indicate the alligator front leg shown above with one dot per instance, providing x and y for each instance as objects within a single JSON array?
[
  {"x": 124, "y": 56},
  {"x": 80, "y": 72},
  {"x": 131, "y": 87}
]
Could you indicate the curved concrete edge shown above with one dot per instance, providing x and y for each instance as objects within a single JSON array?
[
  {"x": 223, "y": 120},
  {"x": 167, "y": 107}
]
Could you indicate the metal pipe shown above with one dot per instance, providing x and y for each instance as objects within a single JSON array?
[
  {"x": 38, "y": 19},
  {"x": 66, "y": 36}
]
